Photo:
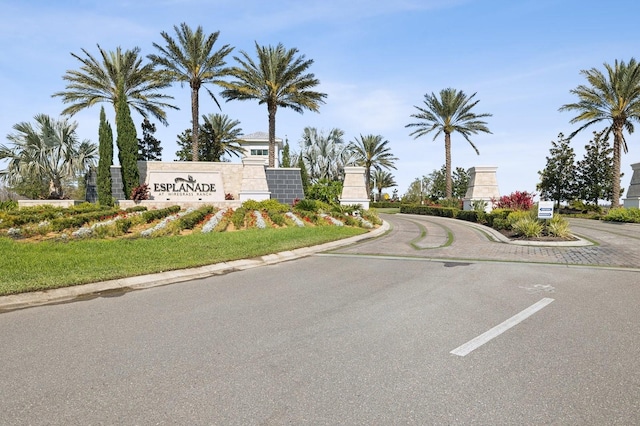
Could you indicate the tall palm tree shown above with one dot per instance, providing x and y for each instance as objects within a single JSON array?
[
  {"x": 382, "y": 179},
  {"x": 613, "y": 98},
  {"x": 277, "y": 79},
  {"x": 450, "y": 113},
  {"x": 97, "y": 81},
  {"x": 50, "y": 150},
  {"x": 372, "y": 151},
  {"x": 192, "y": 60},
  {"x": 224, "y": 135}
]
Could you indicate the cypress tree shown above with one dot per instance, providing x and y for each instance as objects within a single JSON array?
[
  {"x": 286, "y": 155},
  {"x": 105, "y": 150},
  {"x": 304, "y": 175},
  {"x": 127, "y": 145}
]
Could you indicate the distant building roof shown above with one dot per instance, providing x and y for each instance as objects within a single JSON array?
[{"x": 258, "y": 136}]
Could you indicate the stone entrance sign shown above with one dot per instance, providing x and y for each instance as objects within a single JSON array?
[{"x": 185, "y": 186}]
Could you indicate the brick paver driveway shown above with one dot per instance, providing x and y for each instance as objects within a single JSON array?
[{"x": 608, "y": 244}]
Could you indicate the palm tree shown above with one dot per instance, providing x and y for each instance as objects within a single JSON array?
[
  {"x": 224, "y": 135},
  {"x": 277, "y": 79},
  {"x": 452, "y": 112},
  {"x": 49, "y": 151},
  {"x": 192, "y": 60},
  {"x": 613, "y": 98},
  {"x": 97, "y": 81},
  {"x": 372, "y": 151},
  {"x": 382, "y": 179},
  {"x": 325, "y": 155}
]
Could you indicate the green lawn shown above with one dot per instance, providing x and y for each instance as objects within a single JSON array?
[{"x": 28, "y": 266}]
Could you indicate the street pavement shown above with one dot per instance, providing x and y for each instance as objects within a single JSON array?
[
  {"x": 432, "y": 322},
  {"x": 602, "y": 244}
]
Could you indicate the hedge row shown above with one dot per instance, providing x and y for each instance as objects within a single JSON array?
[{"x": 496, "y": 217}]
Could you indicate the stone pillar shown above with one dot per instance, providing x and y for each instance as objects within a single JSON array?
[
  {"x": 354, "y": 190},
  {"x": 254, "y": 180},
  {"x": 633, "y": 193},
  {"x": 483, "y": 186}
]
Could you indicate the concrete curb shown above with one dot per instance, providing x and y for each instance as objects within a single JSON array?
[{"x": 59, "y": 295}]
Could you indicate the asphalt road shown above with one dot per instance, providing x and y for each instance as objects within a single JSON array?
[{"x": 337, "y": 338}]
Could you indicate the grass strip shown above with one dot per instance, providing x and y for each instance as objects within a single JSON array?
[{"x": 45, "y": 265}]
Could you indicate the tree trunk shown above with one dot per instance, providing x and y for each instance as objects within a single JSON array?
[
  {"x": 55, "y": 189},
  {"x": 367, "y": 179},
  {"x": 194, "y": 122},
  {"x": 447, "y": 163},
  {"x": 272, "y": 133},
  {"x": 617, "y": 145}
]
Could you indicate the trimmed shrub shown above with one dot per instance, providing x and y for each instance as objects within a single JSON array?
[
  {"x": 190, "y": 220},
  {"x": 469, "y": 215},
  {"x": 151, "y": 215},
  {"x": 499, "y": 215},
  {"x": 276, "y": 217},
  {"x": 238, "y": 217},
  {"x": 384, "y": 205},
  {"x": 430, "y": 210}
]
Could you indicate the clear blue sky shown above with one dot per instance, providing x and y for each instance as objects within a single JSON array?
[{"x": 374, "y": 59}]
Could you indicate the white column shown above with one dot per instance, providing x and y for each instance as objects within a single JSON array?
[
  {"x": 483, "y": 186},
  {"x": 354, "y": 190},
  {"x": 254, "y": 180},
  {"x": 633, "y": 194}
]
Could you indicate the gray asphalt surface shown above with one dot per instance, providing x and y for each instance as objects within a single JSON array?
[{"x": 358, "y": 335}]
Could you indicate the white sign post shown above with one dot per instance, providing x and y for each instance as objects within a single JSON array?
[{"x": 545, "y": 209}]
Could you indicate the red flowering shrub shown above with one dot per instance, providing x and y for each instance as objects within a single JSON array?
[
  {"x": 519, "y": 200},
  {"x": 140, "y": 192}
]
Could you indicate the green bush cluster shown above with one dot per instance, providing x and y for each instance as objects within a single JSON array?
[
  {"x": 8, "y": 205},
  {"x": 78, "y": 220},
  {"x": 27, "y": 215},
  {"x": 268, "y": 205},
  {"x": 628, "y": 215}
]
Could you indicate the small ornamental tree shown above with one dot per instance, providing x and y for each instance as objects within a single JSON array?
[
  {"x": 595, "y": 170},
  {"x": 557, "y": 180},
  {"x": 459, "y": 183},
  {"x": 127, "y": 147},
  {"x": 149, "y": 148},
  {"x": 105, "y": 150}
]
